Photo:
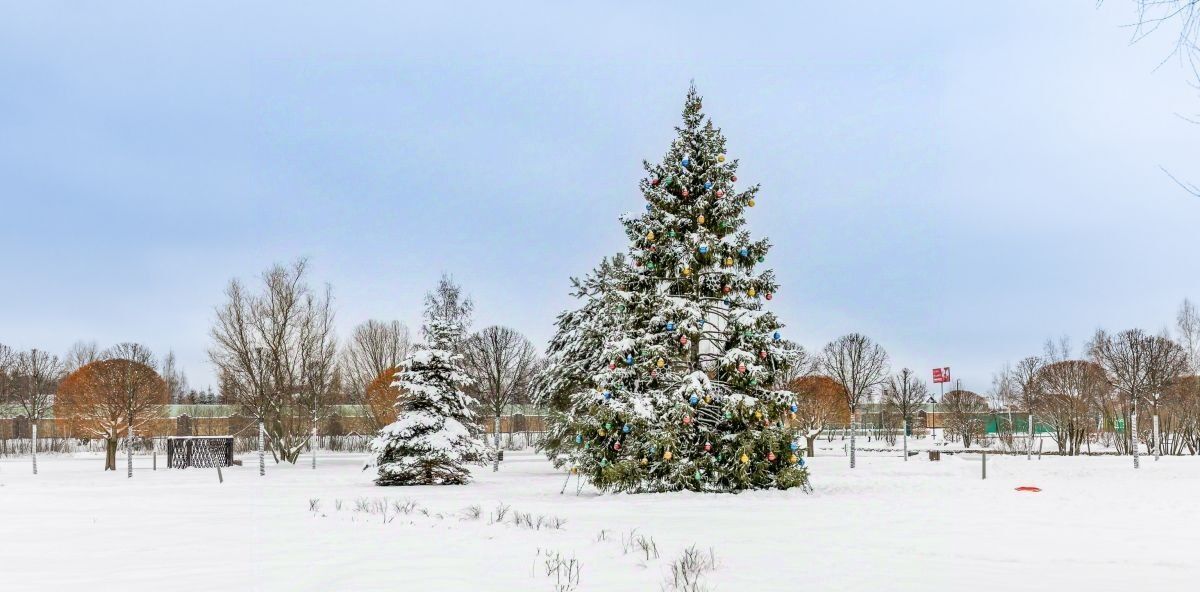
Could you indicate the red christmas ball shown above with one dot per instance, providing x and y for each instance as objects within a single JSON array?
[
  {"x": 684, "y": 192},
  {"x": 687, "y": 420},
  {"x": 720, "y": 193},
  {"x": 637, "y": 262},
  {"x": 612, "y": 365},
  {"x": 763, "y": 354},
  {"x": 770, "y": 456},
  {"x": 707, "y": 446},
  {"x": 617, "y": 446},
  {"x": 727, "y": 289},
  {"x": 654, "y": 182},
  {"x": 741, "y": 367},
  {"x": 769, "y": 295},
  {"x": 733, "y": 178}
]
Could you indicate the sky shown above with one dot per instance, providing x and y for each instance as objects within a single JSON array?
[{"x": 958, "y": 180}]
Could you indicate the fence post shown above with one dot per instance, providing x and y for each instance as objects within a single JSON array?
[
  {"x": 985, "y": 464},
  {"x": 314, "y": 445},
  {"x": 34, "y": 450},
  {"x": 262, "y": 457}
]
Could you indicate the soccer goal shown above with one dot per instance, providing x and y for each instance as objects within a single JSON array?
[{"x": 199, "y": 451}]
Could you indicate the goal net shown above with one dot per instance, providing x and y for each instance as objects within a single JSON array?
[{"x": 199, "y": 451}]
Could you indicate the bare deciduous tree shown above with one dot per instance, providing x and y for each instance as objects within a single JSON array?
[
  {"x": 373, "y": 347},
  {"x": 503, "y": 364},
  {"x": 1139, "y": 366},
  {"x": 1070, "y": 393},
  {"x": 276, "y": 354},
  {"x": 1188, "y": 323},
  {"x": 859, "y": 365},
  {"x": 79, "y": 355},
  {"x": 905, "y": 394},
  {"x": 965, "y": 415},
  {"x": 174, "y": 377}
]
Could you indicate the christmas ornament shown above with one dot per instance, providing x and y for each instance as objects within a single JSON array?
[
  {"x": 667, "y": 455},
  {"x": 625, "y": 428},
  {"x": 649, "y": 207},
  {"x": 757, "y": 414},
  {"x": 720, "y": 193},
  {"x": 671, "y": 234},
  {"x": 700, "y": 221},
  {"x": 600, "y": 432},
  {"x": 612, "y": 365},
  {"x": 670, "y": 326},
  {"x": 744, "y": 252},
  {"x": 728, "y": 261},
  {"x": 761, "y": 258},
  {"x": 693, "y": 399},
  {"x": 654, "y": 182},
  {"x": 650, "y": 236},
  {"x": 745, "y": 459},
  {"x": 697, "y": 474},
  {"x": 578, "y": 439},
  {"x": 733, "y": 178},
  {"x": 762, "y": 353},
  {"x": 751, "y": 292},
  {"x": 792, "y": 459},
  {"x": 608, "y": 425},
  {"x": 794, "y": 408},
  {"x": 684, "y": 192},
  {"x": 703, "y": 248},
  {"x": 686, "y": 161},
  {"x": 769, "y": 295},
  {"x": 650, "y": 265},
  {"x": 727, "y": 289},
  {"x": 607, "y": 395},
  {"x": 637, "y": 262},
  {"x": 604, "y": 462},
  {"x": 727, "y": 301},
  {"x": 770, "y": 456},
  {"x": 707, "y": 185},
  {"x": 800, "y": 461},
  {"x": 777, "y": 336},
  {"x": 750, "y": 203},
  {"x": 644, "y": 461},
  {"x": 617, "y": 446},
  {"x": 687, "y": 420},
  {"x": 629, "y": 359},
  {"x": 683, "y": 340},
  {"x": 707, "y": 446},
  {"x": 795, "y": 446},
  {"x": 742, "y": 367},
  {"x": 687, "y": 271},
  {"x": 661, "y": 363},
  {"x": 721, "y": 158}
]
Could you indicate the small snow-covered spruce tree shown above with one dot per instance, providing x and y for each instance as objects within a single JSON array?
[
  {"x": 665, "y": 378},
  {"x": 435, "y": 435}
]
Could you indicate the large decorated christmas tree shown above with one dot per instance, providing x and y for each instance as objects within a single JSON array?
[{"x": 665, "y": 378}]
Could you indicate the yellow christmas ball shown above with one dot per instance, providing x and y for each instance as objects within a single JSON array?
[
  {"x": 661, "y": 363},
  {"x": 721, "y": 158},
  {"x": 750, "y": 203},
  {"x": 792, "y": 459},
  {"x": 751, "y": 292},
  {"x": 687, "y": 271},
  {"x": 667, "y": 455},
  {"x": 728, "y": 261},
  {"x": 700, "y": 219},
  {"x": 650, "y": 235},
  {"x": 644, "y": 461},
  {"x": 758, "y": 415},
  {"x": 574, "y": 470},
  {"x": 745, "y": 459},
  {"x": 601, "y": 432}
]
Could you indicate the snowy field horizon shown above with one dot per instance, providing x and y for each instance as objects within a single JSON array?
[{"x": 890, "y": 524}]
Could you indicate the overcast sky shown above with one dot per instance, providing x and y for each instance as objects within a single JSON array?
[{"x": 958, "y": 180}]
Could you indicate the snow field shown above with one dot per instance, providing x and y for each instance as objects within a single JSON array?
[{"x": 889, "y": 525}]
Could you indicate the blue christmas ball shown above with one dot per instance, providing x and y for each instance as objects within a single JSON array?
[
  {"x": 744, "y": 252},
  {"x": 578, "y": 439},
  {"x": 800, "y": 461},
  {"x": 703, "y": 249},
  {"x": 795, "y": 408},
  {"x": 607, "y": 394},
  {"x": 708, "y": 184},
  {"x": 686, "y": 161},
  {"x": 670, "y": 326},
  {"x": 795, "y": 446},
  {"x": 625, "y": 428},
  {"x": 727, "y": 301},
  {"x": 777, "y": 336},
  {"x": 648, "y": 207},
  {"x": 629, "y": 359},
  {"x": 694, "y": 399}
]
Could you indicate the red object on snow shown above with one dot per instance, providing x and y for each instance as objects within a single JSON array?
[{"x": 1029, "y": 488}]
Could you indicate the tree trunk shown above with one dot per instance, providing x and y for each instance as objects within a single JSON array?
[
  {"x": 1157, "y": 436},
  {"x": 262, "y": 457},
  {"x": 496, "y": 458},
  {"x": 33, "y": 449},
  {"x": 110, "y": 453},
  {"x": 812, "y": 445},
  {"x": 313, "y": 445},
  {"x": 905, "y": 428},
  {"x": 129, "y": 452},
  {"x": 1134, "y": 434},
  {"x": 1029, "y": 426},
  {"x": 852, "y": 434}
]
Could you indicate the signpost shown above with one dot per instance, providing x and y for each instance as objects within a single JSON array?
[{"x": 940, "y": 377}]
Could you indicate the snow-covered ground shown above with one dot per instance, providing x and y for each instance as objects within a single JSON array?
[{"x": 888, "y": 525}]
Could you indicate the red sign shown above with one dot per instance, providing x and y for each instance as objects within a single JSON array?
[{"x": 941, "y": 375}]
